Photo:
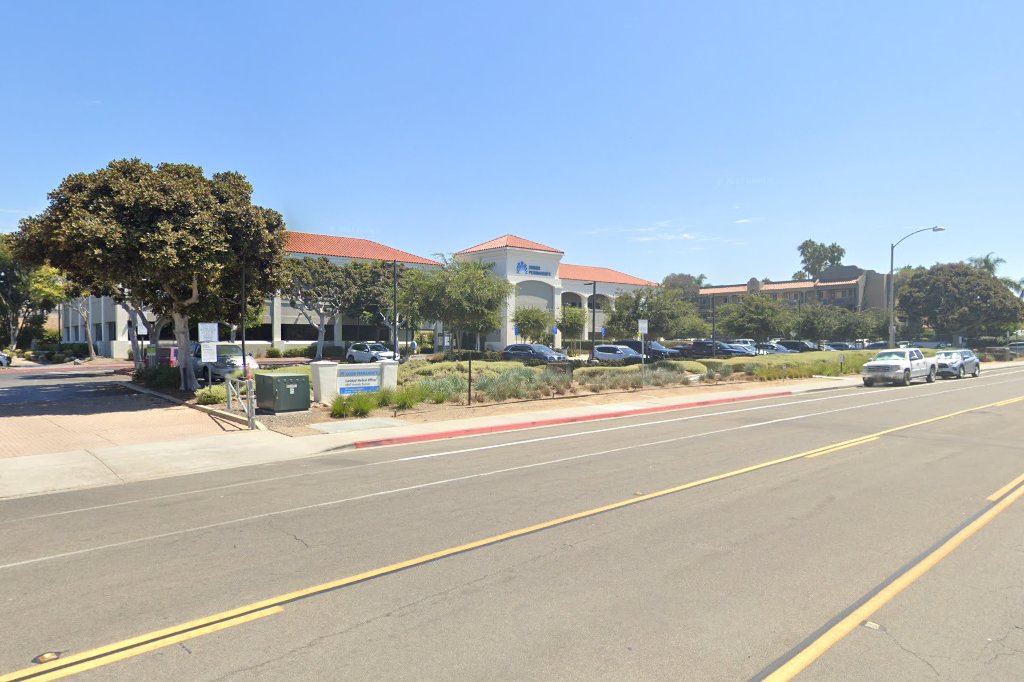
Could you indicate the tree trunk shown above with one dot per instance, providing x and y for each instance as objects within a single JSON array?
[
  {"x": 188, "y": 376},
  {"x": 133, "y": 335},
  {"x": 321, "y": 334},
  {"x": 155, "y": 330},
  {"x": 82, "y": 304},
  {"x": 13, "y": 329},
  {"x": 234, "y": 332}
]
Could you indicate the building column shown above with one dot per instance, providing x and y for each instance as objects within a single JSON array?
[{"x": 275, "y": 321}]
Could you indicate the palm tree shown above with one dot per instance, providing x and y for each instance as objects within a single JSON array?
[{"x": 988, "y": 263}]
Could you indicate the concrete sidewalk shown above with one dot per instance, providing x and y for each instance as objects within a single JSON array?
[{"x": 87, "y": 468}]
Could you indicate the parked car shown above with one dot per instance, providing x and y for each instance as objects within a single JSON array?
[
  {"x": 623, "y": 354},
  {"x": 876, "y": 345},
  {"x": 1016, "y": 347},
  {"x": 653, "y": 349},
  {"x": 228, "y": 362},
  {"x": 743, "y": 350},
  {"x": 957, "y": 363},
  {"x": 772, "y": 348},
  {"x": 532, "y": 351},
  {"x": 840, "y": 345},
  {"x": 798, "y": 346},
  {"x": 706, "y": 348},
  {"x": 899, "y": 366},
  {"x": 372, "y": 351},
  {"x": 742, "y": 342}
]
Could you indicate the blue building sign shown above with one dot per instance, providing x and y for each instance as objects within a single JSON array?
[{"x": 522, "y": 268}]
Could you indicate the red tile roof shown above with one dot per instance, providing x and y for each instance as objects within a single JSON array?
[
  {"x": 590, "y": 273},
  {"x": 510, "y": 241},
  {"x": 844, "y": 283},
  {"x": 349, "y": 247},
  {"x": 796, "y": 284}
]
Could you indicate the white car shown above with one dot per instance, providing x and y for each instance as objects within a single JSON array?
[
  {"x": 899, "y": 366},
  {"x": 369, "y": 352},
  {"x": 623, "y": 354}
]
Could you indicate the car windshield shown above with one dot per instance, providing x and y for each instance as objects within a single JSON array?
[
  {"x": 541, "y": 348},
  {"x": 947, "y": 355},
  {"x": 229, "y": 351},
  {"x": 892, "y": 355},
  {"x": 626, "y": 350},
  {"x": 377, "y": 346},
  {"x": 657, "y": 346}
]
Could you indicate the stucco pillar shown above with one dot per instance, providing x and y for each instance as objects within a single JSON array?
[
  {"x": 388, "y": 374},
  {"x": 275, "y": 321},
  {"x": 325, "y": 381}
]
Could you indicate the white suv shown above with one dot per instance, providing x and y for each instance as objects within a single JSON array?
[
  {"x": 899, "y": 366},
  {"x": 369, "y": 352}
]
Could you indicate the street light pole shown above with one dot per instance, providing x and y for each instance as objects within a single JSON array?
[
  {"x": 593, "y": 317},
  {"x": 892, "y": 281}
]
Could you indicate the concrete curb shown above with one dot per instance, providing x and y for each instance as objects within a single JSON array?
[
  {"x": 68, "y": 367},
  {"x": 220, "y": 414},
  {"x": 534, "y": 423}
]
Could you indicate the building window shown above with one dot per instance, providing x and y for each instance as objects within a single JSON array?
[
  {"x": 111, "y": 331},
  {"x": 97, "y": 331}
]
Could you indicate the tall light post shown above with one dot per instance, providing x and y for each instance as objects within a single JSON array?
[
  {"x": 892, "y": 282},
  {"x": 593, "y": 316}
]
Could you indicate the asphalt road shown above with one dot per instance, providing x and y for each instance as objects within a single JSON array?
[{"x": 869, "y": 534}]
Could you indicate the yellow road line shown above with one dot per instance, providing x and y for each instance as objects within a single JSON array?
[
  {"x": 135, "y": 646},
  {"x": 994, "y": 497},
  {"x": 860, "y": 441},
  {"x": 271, "y": 603},
  {"x": 812, "y": 652}
]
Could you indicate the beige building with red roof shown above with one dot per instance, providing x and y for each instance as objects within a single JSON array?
[
  {"x": 843, "y": 285},
  {"x": 542, "y": 280}
]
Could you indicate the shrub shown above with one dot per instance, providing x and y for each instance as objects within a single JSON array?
[
  {"x": 273, "y": 352},
  {"x": 59, "y": 357},
  {"x": 301, "y": 352},
  {"x": 162, "y": 376},
  {"x": 362, "y": 404},
  {"x": 340, "y": 407},
  {"x": 444, "y": 388},
  {"x": 212, "y": 395},
  {"x": 407, "y": 397},
  {"x": 385, "y": 397},
  {"x": 512, "y": 383},
  {"x": 725, "y": 371}
]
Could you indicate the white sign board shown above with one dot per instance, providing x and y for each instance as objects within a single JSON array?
[
  {"x": 358, "y": 380},
  {"x": 208, "y": 352},
  {"x": 643, "y": 326},
  {"x": 207, "y": 332}
]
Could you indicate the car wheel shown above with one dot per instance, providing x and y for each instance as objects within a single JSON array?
[
  {"x": 208, "y": 373},
  {"x": 351, "y": 359},
  {"x": 931, "y": 375},
  {"x": 906, "y": 377},
  {"x": 977, "y": 370},
  {"x": 869, "y": 383},
  {"x": 960, "y": 372}
]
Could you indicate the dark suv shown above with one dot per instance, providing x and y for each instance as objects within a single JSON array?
[
  {"x": 531, "y": 351},
  {"x": 654, "y": 350},
  {"x": 708, "y": 349},
  {"x": 798, "y": 346}
]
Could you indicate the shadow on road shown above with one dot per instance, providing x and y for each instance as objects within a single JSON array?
[{"x": 80, "y": 398}]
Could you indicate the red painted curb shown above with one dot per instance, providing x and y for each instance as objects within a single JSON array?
[{"x": 423, "y": 437}]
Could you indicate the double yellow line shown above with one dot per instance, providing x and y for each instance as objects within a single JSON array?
[{"x": 161, "y": 638}]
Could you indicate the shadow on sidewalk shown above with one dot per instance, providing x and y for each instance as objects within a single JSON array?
[{"x": 73, "y": 399}]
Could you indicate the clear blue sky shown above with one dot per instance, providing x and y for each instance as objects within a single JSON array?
[{"x": 652, "y": 137}]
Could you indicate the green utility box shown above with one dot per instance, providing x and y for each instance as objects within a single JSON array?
[{"x": 282, "y": 392}]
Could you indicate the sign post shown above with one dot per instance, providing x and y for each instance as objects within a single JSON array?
[{"x": 643, "y": 347}]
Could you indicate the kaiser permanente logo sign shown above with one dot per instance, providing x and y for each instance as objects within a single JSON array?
[{"x": 523, "y": 269}]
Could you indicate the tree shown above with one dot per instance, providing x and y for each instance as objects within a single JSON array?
[
  {"x": 319, "y": 290},
  {"x": 372, "y": 287},
  {"x": 956, "y": 299},
  {"x": 572, "y": 322},
  {"x": 667, "y": 314},
  {"x": 817, "y": 321},
  {"x": 180, "y": 242},
  {"x": 688, "y": 285},
  {"x": 533, "y": 323},
  {"x": 816, "y": 257},
  {"x": 27, "y": 292},
  {"x": 464, "y": 295},
  {"x": 989, "y": 263},
  {"x": 756, "y": 316}
]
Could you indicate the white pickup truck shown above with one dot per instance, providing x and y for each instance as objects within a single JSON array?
[{"x": 899, "y": 366}]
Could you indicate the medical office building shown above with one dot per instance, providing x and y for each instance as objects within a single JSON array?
[{"x": 540, "y": 277}]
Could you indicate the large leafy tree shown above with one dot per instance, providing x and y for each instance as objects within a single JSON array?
[
  {"x": 464, "y": 295},
  {"x": 816, "y": 257},
  {"x": 572, "y": 322},
  {"x": 27, "y": 292},
  {"x": 319, "y": 290},
  {"x": 756, "y": 316},
  {"x": 956, "y": 299},
  {"x": 533, "y": 323},
  {"x": 817, "y": 321},
  {"x": 178, "y": 241},
  {"x": 687, "y": 285},
  {"x": 667, "y": 314}
]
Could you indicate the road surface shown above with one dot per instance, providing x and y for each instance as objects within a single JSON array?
[{"x": 869, "y": 534}]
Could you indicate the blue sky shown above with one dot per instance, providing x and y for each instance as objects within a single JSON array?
[{"x": 651, "y": 137}]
